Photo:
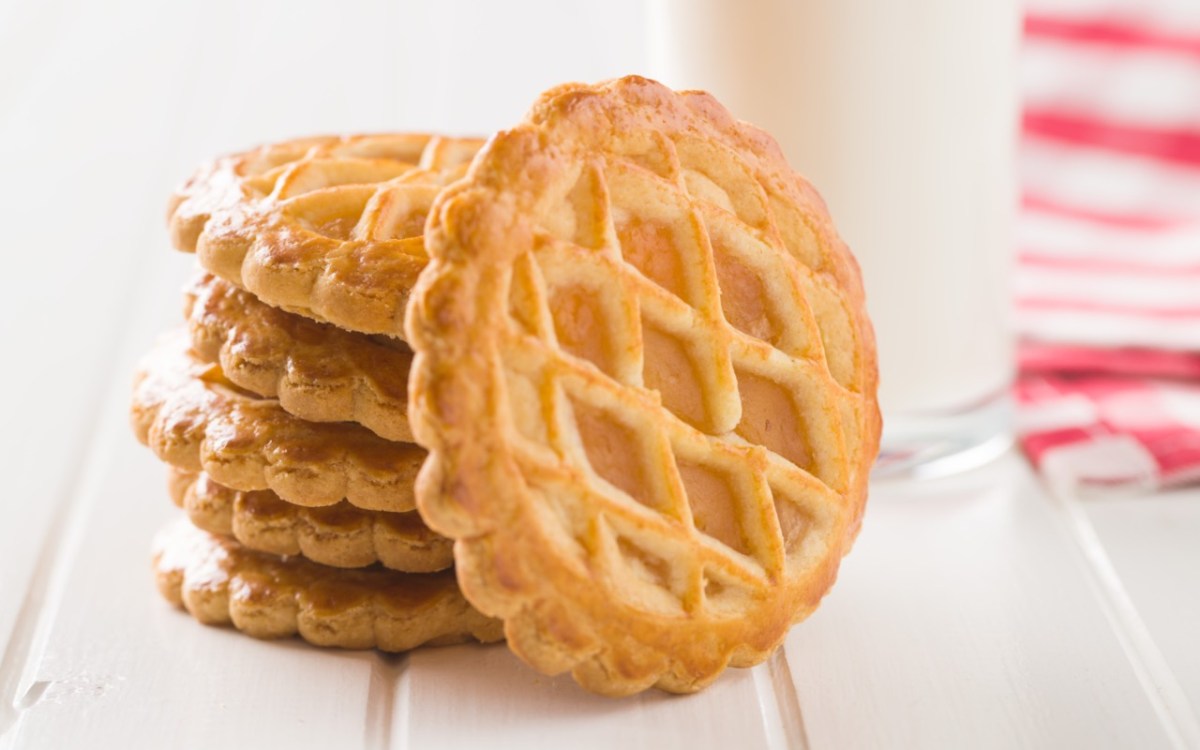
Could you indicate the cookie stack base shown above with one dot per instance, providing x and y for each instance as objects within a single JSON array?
[{"x": 220, "y": 582}]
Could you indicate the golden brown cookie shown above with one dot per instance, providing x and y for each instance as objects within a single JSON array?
[
  {"x": 338, "y": 535},
  {"x": 219, "y": 582},
  {"x": 193, "y": 418},
  {"x": 647, "y": 382},
  {"x": 317, "y": 371},
  {"x": 327, "y": 227}
]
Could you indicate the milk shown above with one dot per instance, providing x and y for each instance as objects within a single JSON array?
[{"x": 903, "y": 114}]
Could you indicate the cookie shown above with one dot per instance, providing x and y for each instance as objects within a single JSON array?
[
  {"x": 330, "y": 228},
  {"x": 340, "y": 535},
  {"x": 193, "y": 418},
  {"x": 220, "y": 582},
  {"x": 318, "y": 372},
  {"x": 647, "y": 382}
]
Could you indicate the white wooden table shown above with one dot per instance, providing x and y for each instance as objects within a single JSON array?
[{"x": 980, "y": 611}]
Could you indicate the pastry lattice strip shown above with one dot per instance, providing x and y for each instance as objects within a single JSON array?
[{"x": 605, "y": 371}]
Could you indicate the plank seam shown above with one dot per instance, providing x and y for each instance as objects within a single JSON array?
[
  {"x": 57, "y": 549},
  {"x": 779, "y": 703},
  {"x": 73, "y": 505},
  {"x": 387, "y": 670},
  {"x": 1158, "y": 682}
]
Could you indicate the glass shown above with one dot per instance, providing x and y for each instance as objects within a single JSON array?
[{"x": 903, "y": 114}]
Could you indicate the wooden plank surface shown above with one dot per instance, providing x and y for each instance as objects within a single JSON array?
[
  {"x": 69, "y": 158},
  {"x": 1153, "y": 544},
  {"x": 103, "y": 109},
  {"x": 965, "y": 616}
]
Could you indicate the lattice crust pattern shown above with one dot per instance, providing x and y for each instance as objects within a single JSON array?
[
  {"x": 276, "y": 354},
  {"x": 647, "y": 382},
  {"x": 339, "y": 535},
  {"x": 330, "y": 228},
  {"x": 193, "y": 418},
  {"x": 220, "y": 582}
]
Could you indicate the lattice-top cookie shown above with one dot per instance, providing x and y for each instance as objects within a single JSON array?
[
  {"x": 647, "y": 383},
  {"x": 327, "y": 227},
  {"x": 317, "y": 371},
  {"x": 220, "y": 582},
  {"x": 193, "y": 418}
]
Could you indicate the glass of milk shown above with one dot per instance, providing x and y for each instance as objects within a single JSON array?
[{"x": 903, "y": 115}]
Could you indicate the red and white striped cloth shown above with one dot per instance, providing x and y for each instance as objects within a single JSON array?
[{"x": 1108, "y": 273}]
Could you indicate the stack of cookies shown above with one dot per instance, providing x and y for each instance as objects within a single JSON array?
[
  {"x": 280, "y": 406},
  {"x": 603, "y": 387}
]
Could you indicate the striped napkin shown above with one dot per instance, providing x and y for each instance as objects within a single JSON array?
[{"x": 1108, "y": 272}]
